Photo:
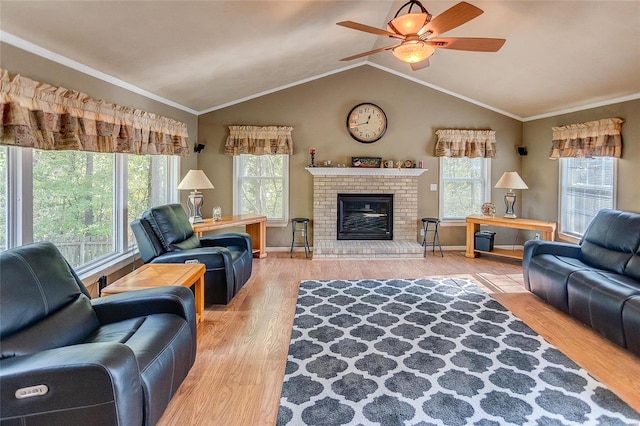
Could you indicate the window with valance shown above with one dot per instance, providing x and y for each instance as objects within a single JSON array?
[
  {"x": 458, "y": 143},
  {"x": 38, "y": 115},
  {"x": 259, "y": 140},
  {"x": 600, "y": 138}
]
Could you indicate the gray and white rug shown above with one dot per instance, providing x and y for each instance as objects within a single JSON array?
[{"x": 429, "y": 351}]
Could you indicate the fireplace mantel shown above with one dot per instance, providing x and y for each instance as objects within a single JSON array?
[{"x": 363, "y": 171}]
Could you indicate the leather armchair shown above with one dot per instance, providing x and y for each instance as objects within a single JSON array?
[
  {"x": 67, "y": 359},
  {"x": 164, "y": 235},
  {"x": 596, "y": 281}
]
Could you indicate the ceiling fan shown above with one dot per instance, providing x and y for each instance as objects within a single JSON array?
[{"x": 416, "y": 29}]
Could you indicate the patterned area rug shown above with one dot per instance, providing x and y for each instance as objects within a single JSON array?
[{"x": 429, "y": 351}]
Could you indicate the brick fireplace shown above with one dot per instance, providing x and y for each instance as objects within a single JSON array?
[{"x": 328, "y": 182}]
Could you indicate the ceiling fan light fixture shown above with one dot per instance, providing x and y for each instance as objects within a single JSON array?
[
  {"x": 410, "y": 23},
  {"x": 413, "y": 51}
]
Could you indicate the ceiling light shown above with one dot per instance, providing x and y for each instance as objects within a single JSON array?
[
  {"x": 410, "y": 23},
  {"x": 413, "y": 51}
]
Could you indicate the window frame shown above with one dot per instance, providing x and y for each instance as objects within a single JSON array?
[
  {"x": 19, "y": 209},
  {"x": 237, "y": 183},
  {"x": 486, "y": 195},
  {"x": 563, "y": 164}
]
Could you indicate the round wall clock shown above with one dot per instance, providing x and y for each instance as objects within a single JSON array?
[{"x": 366, "y": 122}]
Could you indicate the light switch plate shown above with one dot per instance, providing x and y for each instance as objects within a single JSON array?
[{"x": 434, "y": 186}]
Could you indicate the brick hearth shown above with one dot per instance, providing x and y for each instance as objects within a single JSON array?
[{"x": 402, "y": 183}]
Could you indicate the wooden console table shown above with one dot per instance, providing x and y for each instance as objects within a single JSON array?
[
  {"x": 255, "y": 225},
  {"x": 152, "y": 275},
  {"x": 547, "y": 230}
]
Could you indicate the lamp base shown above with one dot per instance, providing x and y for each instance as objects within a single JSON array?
[
  {"x": 194, "y": 203},
  {"x": 510, "y": 201}
]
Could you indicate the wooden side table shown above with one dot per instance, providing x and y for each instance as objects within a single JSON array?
[
  {"x": 154, "y": 275},
  {"x": 547, "y": 229},
  {"x": 255, "y": 225}
]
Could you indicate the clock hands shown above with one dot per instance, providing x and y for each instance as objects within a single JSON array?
[{"x": 366, "y": 122}]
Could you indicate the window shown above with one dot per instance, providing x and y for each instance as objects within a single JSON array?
[
  {"x": 81, "y": 201},
  {"x": 587, "y": 185},
  {"x": 73, "y": 195},
  {"x": 3, "y": 199},
  {"x": 149, "y": 183},
  {"x": 261, "y": 186},
  {"x": 464, "y": 186}
]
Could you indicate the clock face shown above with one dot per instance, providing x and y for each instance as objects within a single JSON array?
[{"x": 366, "y": 123}]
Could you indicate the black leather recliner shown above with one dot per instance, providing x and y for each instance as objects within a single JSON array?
[
  {"x": 66, "y": 359},
  {"x": 597, "y": 281},
  {"x": 164, "y": 235}
]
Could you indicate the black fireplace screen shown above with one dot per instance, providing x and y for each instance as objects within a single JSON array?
[{"x": 365, "y": 216}]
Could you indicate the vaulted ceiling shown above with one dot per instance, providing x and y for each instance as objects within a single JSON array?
[{"x": 204, "y": 55}]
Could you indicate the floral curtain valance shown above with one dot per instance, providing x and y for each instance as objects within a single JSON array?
[
  {"x": 38, "y": 115},
  {"x": 600, "y": 138},
  {"x": 258, "y": 140},
  {"x": 466, "y": 143}
]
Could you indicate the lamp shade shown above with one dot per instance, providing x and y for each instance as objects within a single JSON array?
[
  {"x": 195, "y": 179},
  {"x": 511, "y": 180},
  {"x": 410, "y": 23},
  {"x": 413, "y": 51}
]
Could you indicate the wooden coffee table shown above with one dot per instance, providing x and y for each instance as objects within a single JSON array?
[{"x": 154, "y": 275}]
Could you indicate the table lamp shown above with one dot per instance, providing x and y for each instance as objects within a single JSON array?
[
  {"x": 510, "y": 181},
  {"x": 194, "y": 180}
]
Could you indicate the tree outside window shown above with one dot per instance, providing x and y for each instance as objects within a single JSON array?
[
  {"x": 147, "y": 186},
  {"x": 261, "y": 186},
  {"x": 73, "y": 196},
  {"x": 587, "y": 185},
  {"x": 464, "y": 186},
  {"x": 82, "y": 202}
]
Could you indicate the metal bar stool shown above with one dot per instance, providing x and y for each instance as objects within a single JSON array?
[
  {"x": 426, "y": 221},
  {"x": 303, "y": 232}
]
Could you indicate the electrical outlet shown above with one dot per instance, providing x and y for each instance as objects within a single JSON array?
[
  {"x": 536, "y": 237},
  {"x": 434, "y": 187},
  {"x": 422, "y": 232}
]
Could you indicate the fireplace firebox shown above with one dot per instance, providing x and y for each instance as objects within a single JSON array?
[{"x": 365, "y": 217}]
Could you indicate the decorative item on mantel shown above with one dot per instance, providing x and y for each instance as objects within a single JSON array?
[
  {"x": 312, "y": 152},
  {"x": 369, "y": 162}
]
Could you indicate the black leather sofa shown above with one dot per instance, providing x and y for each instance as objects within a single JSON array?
[
  {"x": 596, "y": 281},
  {"x": 66, "y": 359},
  {"x": 164, "y": 235}
]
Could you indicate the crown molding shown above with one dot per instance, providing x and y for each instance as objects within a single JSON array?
[{"x": 63, "y": 60}]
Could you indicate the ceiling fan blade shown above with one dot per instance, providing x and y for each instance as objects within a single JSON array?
[
  {"x": 368, "y": 29},
  {"x": 451, "y": 18},
  {"x": 473, "y": 44},
  {"x": 420, "y": 65},
  {"x": 371, "y": 52}
]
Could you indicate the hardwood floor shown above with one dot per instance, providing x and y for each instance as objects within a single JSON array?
[{"x": 242, "y": 347}]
